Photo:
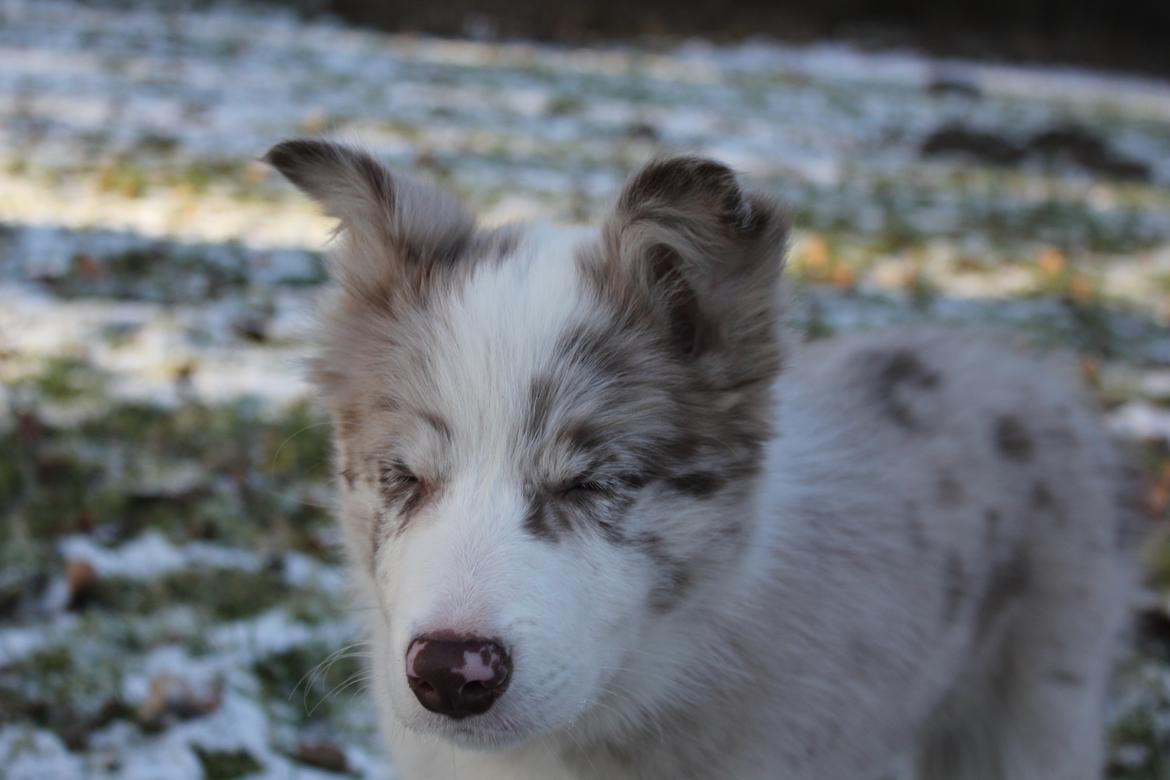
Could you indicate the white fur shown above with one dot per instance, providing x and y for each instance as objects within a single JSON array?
[{"x": 468, "y": 568}]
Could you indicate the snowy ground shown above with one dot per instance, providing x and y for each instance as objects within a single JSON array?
[{"x": 168, "y": 574}]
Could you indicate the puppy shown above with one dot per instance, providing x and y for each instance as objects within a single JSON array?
[{"x": 613, "y": 522}]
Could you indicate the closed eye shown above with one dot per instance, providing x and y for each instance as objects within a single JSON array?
[
  {"x": 585, "y": 488},
  {"x": 403, "y": 488},
  {"x": 397, "y": 474}
]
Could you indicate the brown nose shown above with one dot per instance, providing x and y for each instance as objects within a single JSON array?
[{"x": 457, "y": 678}]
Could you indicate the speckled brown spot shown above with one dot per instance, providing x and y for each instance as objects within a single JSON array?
[
  {"x": 1042, "y": 497},
  {"x": 950, "y": 490},
  {"x": 992, "y": 520},
  {"x": 1044, "y": 501},
  {"x": 1132, "y": 499},
  {"x": 1012, "y": 439},
  {"x": 955, "y": 588},
  {"x": 438, "y": 424},
  {"x": 896, "y": 373},
  {"x": 1065, "y": 677},
  {"x": 1008, "y": 582},
  {"x": 698, "y": 484},
  {"x": 916, "y": 529},
  {"x": 673, "y": 577}
]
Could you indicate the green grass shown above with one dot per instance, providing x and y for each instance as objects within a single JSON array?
[
  {"x": 64, "y": 378},
  {"x": 217, "y": 594},
  {"x": 226, "y": 764},
  {"x": 67, "y": 692},
  {"x": 252, "y": 467}
]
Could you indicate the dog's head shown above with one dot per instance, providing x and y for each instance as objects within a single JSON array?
[{"x": 548, "y": 439}]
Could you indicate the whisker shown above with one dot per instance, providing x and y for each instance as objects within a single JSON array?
[
  {"x": 357, "y": 679},
  {"x": 311, "y": 677},
  {"x": 292, "y": 436}
]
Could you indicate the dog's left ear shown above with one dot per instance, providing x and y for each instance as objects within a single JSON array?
[{"x": 705, "y": 254}]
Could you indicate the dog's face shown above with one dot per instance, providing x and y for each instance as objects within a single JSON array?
[{"x": 547, "y": 439}]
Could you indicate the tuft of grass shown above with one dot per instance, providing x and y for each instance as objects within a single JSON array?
[
  {"x": 226, "y": 764},
  {"x": 563, "y": 104},
  {"x": 65, "y": 378},
  {"x": 128, "y": 467},
  {"x": 69, "y": 695},
  {"x": 159, "y": 143},
  {"x": 12, "y": 477},
  {"x": 817, "y": 326},
  {"x": 154, "y": 273},
  {"x": 222, "y": 594},
  {"x": 1157, "y": 559},
  {"x": 921, "y": 289},
  {"x": 125, "y": 179},
  {"x": 1141, "y": 736}
]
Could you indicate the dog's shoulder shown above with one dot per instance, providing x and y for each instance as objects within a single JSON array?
[{"x": 930, "y": 381}]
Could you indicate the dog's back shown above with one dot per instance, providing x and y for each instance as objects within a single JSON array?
[{"x": 954, "y": 534}]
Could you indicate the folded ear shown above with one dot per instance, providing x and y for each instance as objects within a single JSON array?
[
  {"x": 707, "y": 257},
  {"x": 397, "y": 231}
]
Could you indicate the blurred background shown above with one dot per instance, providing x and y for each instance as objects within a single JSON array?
[{"x": 171, "y": 600}]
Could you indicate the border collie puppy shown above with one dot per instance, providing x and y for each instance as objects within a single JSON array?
[{"x": 614, "y": 523}]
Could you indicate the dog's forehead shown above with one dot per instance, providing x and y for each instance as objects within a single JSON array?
[{"x": 500, "y": 330}]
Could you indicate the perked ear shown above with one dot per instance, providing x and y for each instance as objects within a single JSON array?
[
  {"x": 397, "y": 231},
  {"x": 707, "y": 255}
]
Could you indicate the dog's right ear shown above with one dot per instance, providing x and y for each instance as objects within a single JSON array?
[
  {"x": 397, "y": 231},
  {"x": 706, "y": 257}
]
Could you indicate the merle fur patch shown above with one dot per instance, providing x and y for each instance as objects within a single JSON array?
[
  {"x": 950, "y": 490},
  {"x": 1012, "y": 439},
  {"x": 898, "y": 374},
  {"x": 698, "y": 484},
  {"x": 916, "y": 528},
  {"x": 992, "y": 520},
  {"x": 1042, "y": 496},
  {"x": 673, "y": 578},
  {"x": 1008, "y": 582},
  {"x": 955, "y": 588}
]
